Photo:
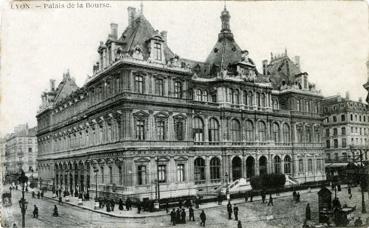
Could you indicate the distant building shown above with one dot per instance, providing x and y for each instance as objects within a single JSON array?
[
  {"x": 21, "y": 151},
  {"x": 2, "y": 158},
  {"x": 147, "y": 116},
  {"x": 346, "y": 126}
]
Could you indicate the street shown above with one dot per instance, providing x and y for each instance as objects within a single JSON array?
[{"x": 284, "y": 213}]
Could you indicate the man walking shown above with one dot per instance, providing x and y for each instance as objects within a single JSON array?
[
  {"x": 229, "y": 210},
  {"x": 35, "y": 212},
  {"x": 270, "y": 203},
  {"x": 202, "y": 218},
  {"x": 173, "y": 217},
  {"x": 235, "y": 212},
  {"x": 191, "y": 214}
]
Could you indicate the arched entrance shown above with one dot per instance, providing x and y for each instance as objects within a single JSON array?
[
  {"x": 262, "y": 165},
  {"x": 236, "y": 168},
  {"x": 250, "y": 167}
]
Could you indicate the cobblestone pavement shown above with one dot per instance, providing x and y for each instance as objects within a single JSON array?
[{"x": 284, "y": 213}]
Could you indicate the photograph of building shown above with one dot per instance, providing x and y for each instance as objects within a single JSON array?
[{"x": 147, "y": 115}]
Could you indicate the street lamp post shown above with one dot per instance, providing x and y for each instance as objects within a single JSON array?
[
  {"x": 23, "y": 179},
  {"x": 227, "y": 189}
]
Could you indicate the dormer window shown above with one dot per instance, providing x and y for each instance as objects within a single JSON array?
[{"x": 157, "y": 51}]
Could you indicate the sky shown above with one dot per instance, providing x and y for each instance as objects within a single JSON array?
[{"x": 331, "y": 38}]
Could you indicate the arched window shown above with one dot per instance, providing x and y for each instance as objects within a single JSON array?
[
  {"x": 198, "y": 95},
  {"x": 213, "y": 130},
  {"x": 276, "y": 134},
  {"x": 215, "y": 169},
  {"x": 317, "y": 133},
  {"x": 198, "y": 130},
  {"x": 258, "y": 99},
  {"x": 199, "y": 171},
  {"x": 236, "y": 131},
  {"x": 277, "y": 164},
  {"x": 249, "y": 131},
  {"x": 263, "y": 100},
  {"x": 308, "y": 134},
  {"x": 286, "y": 133},
  {"x": 250, "y": 99},
  {"x": 298, "y": 105},
  {"x": 262, "y": 131},
  {"x": 301, "y": 165},
  {"x": 299, "y": 133},
  {"x": 230, "y": 95},
  {"x": 287, "y": 164},
  {"x": 245, "y": 98},
  {"x": 236, "y": 97},
  {"x": 160, "y": 129}
]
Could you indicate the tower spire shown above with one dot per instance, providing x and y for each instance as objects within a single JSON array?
[
  {"x": 225, "y": 16},
  {"x": 141, "y": 8}
]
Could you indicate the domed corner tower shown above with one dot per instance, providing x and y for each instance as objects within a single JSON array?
[{"x": 226, "y": 55}]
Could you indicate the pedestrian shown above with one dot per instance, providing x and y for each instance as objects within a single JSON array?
[
  {"x": 263, "y": 196},
  {"x": 229, "y": 210},
  {"x": 270, "y": 203},
  {"x": 107, "y": 206},
  {"x": 33, "y": 194},
  {"x": 120, "y": 203},
  {"x": 112, "y": 204},
  {"x": 183, "y": 216},
  {"x": 235, "y": 212},
  {"x": 191, "y": 214},
  {"x": 349, "y": 190},
  {"x": 38, "y": 195},
  {"x": 178, "y": 216},
  {"x": 251, "y": 195},
  {"x": 294, "y": 194},
  {"x": 202, "y": 218},
  {"x": 167, "y": 207},
  {"x": 138, "y": 207},
  {"x": 173, "y": 217},
  {"x": 128, "y": 204},
  {"x": 55, "y": 213},
  {"x": 297, "y": 197},
  {"x": 308, "y": 212},
  {"x": 35, "y": 211},
  {"x": 246, "y": 196},
  {"x": 42, "y": 193},
  {"x": 60, "y": 200},
  {"x": 239, "y": 224}
]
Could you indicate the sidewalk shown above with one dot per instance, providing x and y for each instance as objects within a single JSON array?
[{"x": 89, "y": 205}]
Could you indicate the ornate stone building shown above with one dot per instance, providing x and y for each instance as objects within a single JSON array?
[
  {"x": 148, "y": 115},
  {"x": 21, "y": 152}
]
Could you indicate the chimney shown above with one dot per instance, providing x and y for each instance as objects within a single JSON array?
[
  {"x": 164, "y": 35},
  {"x": 297, "y": 61},
  {"x": 52, "y": 85},
  {"x": 114, "y": 31},
  {"x": 347, "y": 96},
  {"x": 265, "y": 64},
  {"x": 131, "y": 15},
  {"x": 360, "y": 99}
]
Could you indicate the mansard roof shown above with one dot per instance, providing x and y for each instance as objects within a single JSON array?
[
  {"x": 138, "y": 33},
  {"x": 280, "y": 69},
  {"x": 66, "y": 87}
]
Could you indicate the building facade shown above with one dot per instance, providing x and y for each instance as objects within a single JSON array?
[
  {"x": 148, "y": 118},
  {"x": 21, "y": 152}
]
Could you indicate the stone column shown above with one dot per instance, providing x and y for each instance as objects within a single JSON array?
[
  {"x": 170, "y": 128},
  {"x": 207, "y": 169}
]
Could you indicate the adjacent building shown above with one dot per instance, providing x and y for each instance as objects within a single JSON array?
[
  {"x": 21, "y": 152},
  {"x": 148, "y": 117},
  {"x": 2, "y": 158}
]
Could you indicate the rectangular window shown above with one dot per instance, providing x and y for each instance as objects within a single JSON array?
[
  {"x": 140, "y": 129},
  {"x": 334, "y": 118},
  {"x": 344, "y": 156},
  {"x": 141, "y": 175},
  {"x": 335, "y": 141},
  {"x": 177, "y": 89},
  {"x": 301, "y": 166},
  {"x": 162, "y": 173},
  {"x": 326, "y": 132},
  {"x": 159, "y": 87},
  {"x": 157, "y": 51},
  {"x": 335, "y": 132},
  {"x": 29, "y": 150},
  {"x": 343, "y": 131},
  {"x": 336, "y": 156},
  {"x": 343, "y": 117},
  {"x": 328, "y": 144},
  {"x": 180, "y": 173},
  {"x": 139, "y": 84},
  {"x": 318, "y": 165},
  {"x": 160, "y": 129},
  {"x": 179, "y": 129},
  {"x": 344, "y": 143},
  {"x": 102, "y": 175}
]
